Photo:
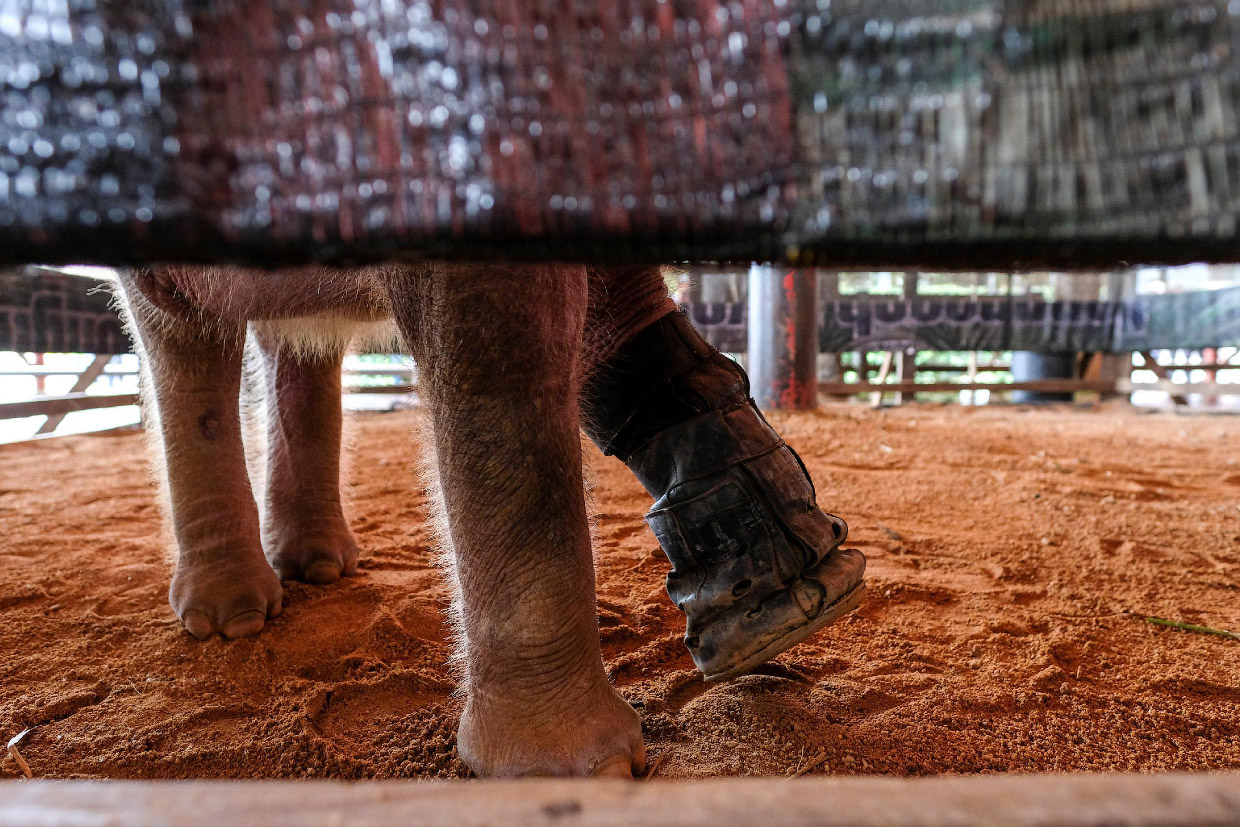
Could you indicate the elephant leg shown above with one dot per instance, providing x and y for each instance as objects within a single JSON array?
[
  {"x": 222, "y": 581},
  {"x": 756, "y": 563},
  {"x": 498, "y": 349},
  {"x": 306, "y": 536}
]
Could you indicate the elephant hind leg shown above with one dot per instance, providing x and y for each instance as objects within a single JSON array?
[
  {"x": 306, "y": 536},
  {"x": 222, "y": 583}
]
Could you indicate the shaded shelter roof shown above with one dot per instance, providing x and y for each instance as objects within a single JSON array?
[{"x": 945, "y": 133}]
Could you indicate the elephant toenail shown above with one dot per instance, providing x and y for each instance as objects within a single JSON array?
[
  {"x": 322, "y": 572},
  {"x": 198, "y": 624},
  {"x": 244, "y": 624},
  {"x": 617, "y": 766}
]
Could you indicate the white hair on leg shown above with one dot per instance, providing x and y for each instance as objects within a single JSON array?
[
  {"x": 124, "y": 301},
  {"x": 253, "y": 415},
  {"x": 304, "y": 338},
  {"x": 587, "y": 482},
  {"x": 427, "y": 469},
  {"x": 310, "y": 337}
]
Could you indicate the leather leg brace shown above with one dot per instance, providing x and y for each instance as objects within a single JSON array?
[{"x": 756, "y": 564}]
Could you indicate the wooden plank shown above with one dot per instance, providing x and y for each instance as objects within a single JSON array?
[
  {"x": 876, "y": 398},
  {"x": 104, "y": 432},
  {"x": 1080, "y": 800},
  {"x": 398, "y": 390},
  {"x": 379, "y": 370},
  {"x": 906, "y": 359},
  {"x": 1215, "y": 366},
  {"x": 1180, "y": 388},
  {"x": 49, "y": 405},
  {"x": 1044, "y": 385},
  {"x": 830, "y": 365},
  {"x": 1109, "y": 367},
  {"x": 1151, "y": 364},
  {"x": 857, "y": 388},
  {"x": 83, "y": 383},
  {"x": 37, "y": 371},
  {"x": 971, "y": 375},
  {"x": 934, "y": 367}
]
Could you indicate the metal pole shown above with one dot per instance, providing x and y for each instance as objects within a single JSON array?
[{"x": 783, "y": 338}]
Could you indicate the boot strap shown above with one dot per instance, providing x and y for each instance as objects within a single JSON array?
[
  {"x": 700, "y": 447},
  {"x": 738, "y": 514}
]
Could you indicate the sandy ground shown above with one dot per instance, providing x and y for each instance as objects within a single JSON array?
[{"x": 1006, "y": 548}]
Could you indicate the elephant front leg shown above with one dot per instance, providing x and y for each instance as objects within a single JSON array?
[
  {"x": 222, "y": 582},
  {"x": 498, "y": 349},
  {"x": 756, "y": 563},
  {"x": 305, "y": 532}
]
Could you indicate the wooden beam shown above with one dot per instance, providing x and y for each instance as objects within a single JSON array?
[
  {"x": 396, "y": 390},
  {"x": 37, "y": 371},
  {"x": 1077, "y": 800},
  {"x": 970, "y": 375},
  {"x": 1043, "y": 385},
  {"x": 1215, "y": 366},
  {"x": 857, "y": 388},
  {"x": 906, "y": 358},
  {"x": 85, "y": 379},
  {"x": 830, "y": 364},
  {"x": 50, "y": 405},
  {"x": 1151, "y": 364},
  {"x": 876, "y": 398},
  {"x": 1109, "y": 367},
  {"x": 1180, "y": 388},
  {"x": 934, "y": 367},
  {"x": 115, "y": 429},
  {"x": 380, "y": 370}
]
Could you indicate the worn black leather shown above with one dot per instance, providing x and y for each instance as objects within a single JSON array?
[
  {"x": 755, "y": 562},
  {"x": 663, "y": 376}
]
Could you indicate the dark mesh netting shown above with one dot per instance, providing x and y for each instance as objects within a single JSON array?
[{"x": 944, "y": 132}]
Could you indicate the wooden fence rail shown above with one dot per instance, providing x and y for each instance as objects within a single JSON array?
[
  {"x": 66, "y": 404},
  {"x": 1078, "y": 800},
  {"x": 56, "y": 407}
]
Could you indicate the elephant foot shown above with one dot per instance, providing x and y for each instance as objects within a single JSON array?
[
  {"x": 232, "y": 596},
  {"x": 750, "y": 634},
  {"x": 318, "y": 551},
  {"x": 756, "y": 563},
  {"x": 586, "y": 733}
]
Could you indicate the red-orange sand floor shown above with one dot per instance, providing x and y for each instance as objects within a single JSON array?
[{"x": 1006, "y": 548}]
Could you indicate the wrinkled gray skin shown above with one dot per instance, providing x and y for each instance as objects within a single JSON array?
[{"x": 501, "y": 351}]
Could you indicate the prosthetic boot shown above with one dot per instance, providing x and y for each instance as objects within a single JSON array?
[{"x": 756, "y": 564}]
